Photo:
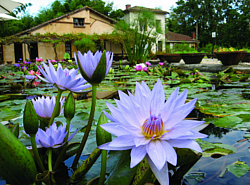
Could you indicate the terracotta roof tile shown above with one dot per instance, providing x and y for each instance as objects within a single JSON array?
[{"x": 171, "y": 36}]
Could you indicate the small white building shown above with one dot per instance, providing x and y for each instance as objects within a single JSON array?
[{"x": 131, "y": 13}]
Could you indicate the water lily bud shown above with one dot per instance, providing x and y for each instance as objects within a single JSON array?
[
  {"x": 17, "y": 164},
  {"x": 30, "y": 119},
  {"x": 102, "y": 136},
  {"x": 94, "y": 67},
  {"x": 69, "y": 109}
]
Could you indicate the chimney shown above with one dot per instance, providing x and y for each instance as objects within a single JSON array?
[
  {"x": 128, "y": 6},
  {"x": 193, "y": 35}
]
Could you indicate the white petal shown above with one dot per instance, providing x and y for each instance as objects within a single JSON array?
[
  {"x": 162, "y": 175},
  {"x": 137, "y": 154},
  {"x": 156, "y": 153},
  {"x": 141, "y": 141},
  {"x": 123, "y": 141},
  {"x": 185, "y": 144},
  {"x": 170, "y": 152},
  {"x": 107, "y": 147},
  {"x": 115, "y": 128}
]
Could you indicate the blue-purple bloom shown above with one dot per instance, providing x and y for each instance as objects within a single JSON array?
[
  {"x": 53, "y": 137},
  {"x": 151, "y": 127},
  {"x": 29, "y": 77},
  {"x": 63, "y": 79},
  {"x": 89, "y": 63},
  {"x": 17, "y": 65},
  {"x": 44, "y": 106}
]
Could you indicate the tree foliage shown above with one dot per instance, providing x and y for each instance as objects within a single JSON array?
[{"x": 228, "y": 18}]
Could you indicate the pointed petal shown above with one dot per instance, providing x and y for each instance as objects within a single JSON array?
[
  {"x": 156, "y": 153},
  {"x": 185, "y": 144},
  {"x": 107, "y": 147},
  {"x": 162, "y": 175},
  {"x": 123, "y": 141},
  {"x": 137, "y": 154}
]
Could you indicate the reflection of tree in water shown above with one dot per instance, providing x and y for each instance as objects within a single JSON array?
[
  {"x": 210, "y": 129},
  {"x": 216, "y": 131}
]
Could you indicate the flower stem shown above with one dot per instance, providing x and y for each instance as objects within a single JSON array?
[
  {"x": 86, "y": 134},
  {"x": 103, "y": 167},
  {"x": 50, "y": 160},
  {"x": 67, "y": 129},
  {"x": 57, "y": 106},
  {"x": 36, "y": 154}
]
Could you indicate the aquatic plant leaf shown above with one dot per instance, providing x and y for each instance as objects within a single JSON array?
[
  {"x": 195, "y": 177},
  {"x": 84, "y": 168},
  {"x": 17, "y": 164},
  {"x": 102, "y": 136},
  {"x": 7, "y": 114},
  {"x": 228, "y": 121},
  {"x": 143, "y": 174},
  {"x": 238, "y": 168},
  {"x": 122, "y": 174},
  {"x": 210, "y": 149}
]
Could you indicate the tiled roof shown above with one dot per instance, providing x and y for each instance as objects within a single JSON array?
[
  {"x": 176, "y": 37},
  {"x": 62, "y": 16},
  {"x": 139, "y": 8}
]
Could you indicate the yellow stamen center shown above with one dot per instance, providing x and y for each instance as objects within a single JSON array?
[{"x": 153, "y": 126}]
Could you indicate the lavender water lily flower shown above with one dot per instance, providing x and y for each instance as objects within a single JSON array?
[
  {"x": 151, "y": 127},
  {"x": 44, "y": 106},
  {"x": 29, "y": 77},
  {"x": 63, "y": 79},
  {"x": 94, "y": 67},
  {"x": 53, "y": 137}
]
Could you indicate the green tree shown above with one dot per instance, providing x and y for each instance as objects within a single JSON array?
[{"x": 228, "y": 18}]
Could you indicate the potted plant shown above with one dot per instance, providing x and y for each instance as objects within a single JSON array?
[
  {"x": 246, "y": 58},
  {"x": 230, "y": 56},
  {"x": 189, "y": 54},
  {"x": 192, "y": 57}
]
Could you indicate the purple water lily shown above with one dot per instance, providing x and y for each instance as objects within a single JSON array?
[
  {"x": 63, "y": 79},
  {"x": 151, "y": 127},
  {"x": 53, "y": 137},
  {"x": 44, "y": 106},
  {"x": 89, "y": 62},
  {"x": 29, "y": 77}
]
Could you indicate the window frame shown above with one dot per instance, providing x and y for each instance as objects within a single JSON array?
[{"x": 78, "y": 22}]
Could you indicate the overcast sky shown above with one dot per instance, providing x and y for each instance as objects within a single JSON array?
[{"x": 118, "y": 4}]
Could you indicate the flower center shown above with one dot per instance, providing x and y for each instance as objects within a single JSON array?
[{"x": 153, "y": 126}]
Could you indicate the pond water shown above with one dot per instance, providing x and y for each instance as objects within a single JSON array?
[{"x": 226, "y": 110}]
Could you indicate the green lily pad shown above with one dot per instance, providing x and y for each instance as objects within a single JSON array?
[
  {"x": 238, "y": 168},
  {"x": 228, "y": 121},
  {"x": 210, "y": 149}
]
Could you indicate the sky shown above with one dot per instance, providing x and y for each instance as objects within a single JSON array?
[{"x": 118, "y": 4}]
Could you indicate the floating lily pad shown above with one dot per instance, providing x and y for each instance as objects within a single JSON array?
[
  {"x": 210, "y": 149},
  {"x": 228, "y": 121},
  {"x": 238, "y": 168}
]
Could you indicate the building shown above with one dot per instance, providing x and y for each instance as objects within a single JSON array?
[
  {"x": 131, "y": 13},
  {"x": 84, "y": 20},
  {"x": 176, "y": 38}
]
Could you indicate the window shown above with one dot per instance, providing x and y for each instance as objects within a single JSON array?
[
  {"x": 159, "y": 45},
  {"x": 158, "y": 26},
  {"x": 78, "y": 22},
  {"x": 68, "y": 48},
  {"x": 143, "y": 25}
]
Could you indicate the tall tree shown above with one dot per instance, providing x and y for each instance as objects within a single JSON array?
[{"x": 226, "y": 17}]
